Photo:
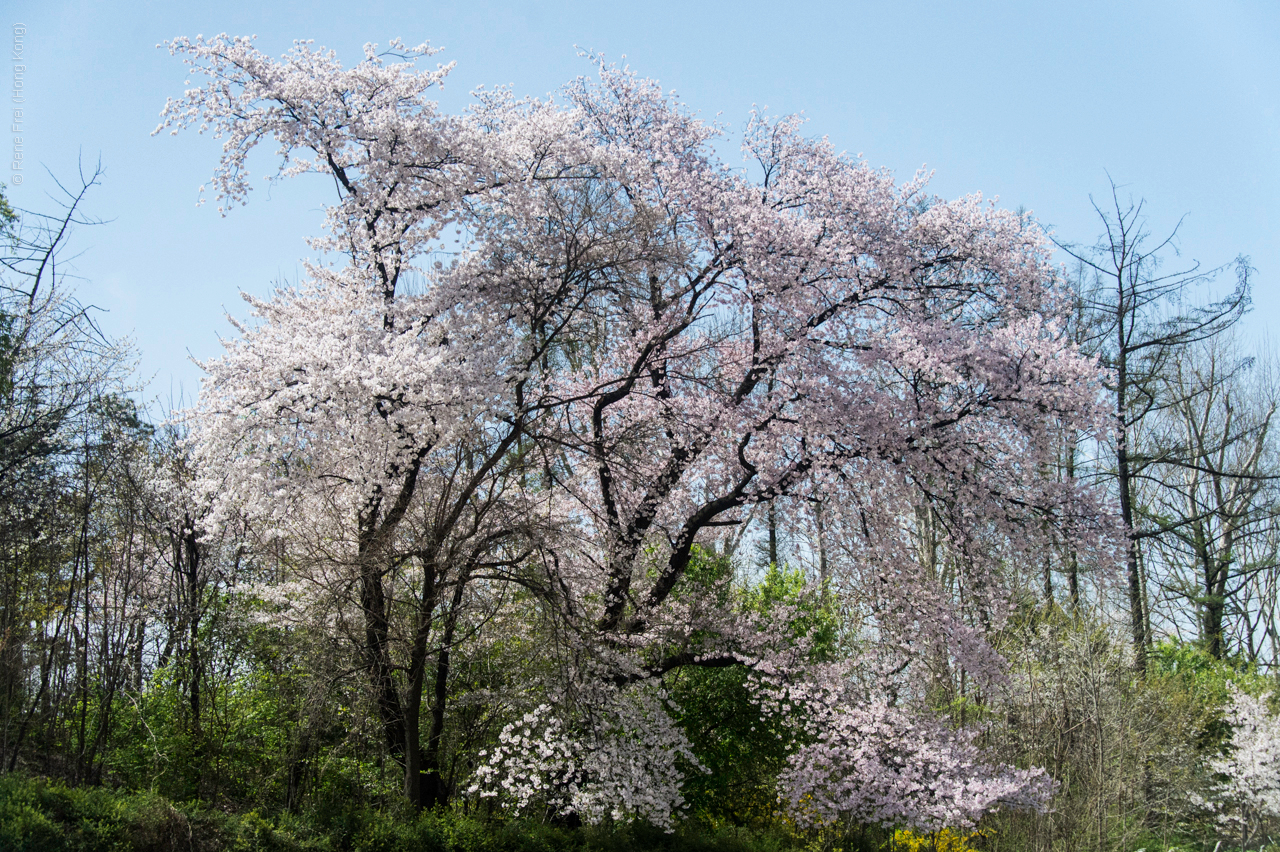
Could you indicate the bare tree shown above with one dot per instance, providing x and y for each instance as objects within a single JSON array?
[
  {"x": 1214, "y": 495},
  {"x": 1143, "y": 320},
  {"x": 58, "y": 377}
]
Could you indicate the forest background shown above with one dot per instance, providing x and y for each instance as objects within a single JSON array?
[{"x": 145, "y": 649}]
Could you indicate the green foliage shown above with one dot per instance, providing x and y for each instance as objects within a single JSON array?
[
  {"x": 1188, "y": 676},
  {"x": 741, "y": 749},
  {"x": 43, "y": 816},
  {"x": 1200, "y": 670},
  {"x": 813, "y": 618},
  {"x": 235, "y": 753}
]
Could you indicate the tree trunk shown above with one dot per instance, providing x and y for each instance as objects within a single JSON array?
[
  {"x": 190, "y": 555},
  {"x": 1137, "y": 606},
  {"x": 773, "y": 535},
  {"x": 1073, "y": 562},
  {"x": 413, "y": 739},
  {"x": 436, "y": 792},
  {"x": 377, "y": 660}
]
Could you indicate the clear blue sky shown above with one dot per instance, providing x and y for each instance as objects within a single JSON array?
[{"x": 1030, "y": 101}]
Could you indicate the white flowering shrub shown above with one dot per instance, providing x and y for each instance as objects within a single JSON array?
[
  {"x": 1246, "y": 795},
  {"x": 628, "y": 764}
]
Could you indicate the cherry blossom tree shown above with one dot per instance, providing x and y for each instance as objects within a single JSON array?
[{"x": 634, "y": 347}]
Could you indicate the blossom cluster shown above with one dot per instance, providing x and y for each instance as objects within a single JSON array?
[{"x": 881, "y": 764}]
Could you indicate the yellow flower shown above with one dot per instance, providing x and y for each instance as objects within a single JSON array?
[{"x": 945, "y": 840}]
